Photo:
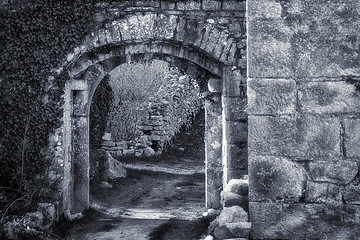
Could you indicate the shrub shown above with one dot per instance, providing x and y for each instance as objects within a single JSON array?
[{"x": 132, "y": 84}]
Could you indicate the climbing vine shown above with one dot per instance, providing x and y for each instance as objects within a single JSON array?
[{"x": 35, "y": 39}]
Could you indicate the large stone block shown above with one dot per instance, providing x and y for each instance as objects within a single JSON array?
[
  {"x": 321, "y": 38},
  {"x": 165, "y": 26},
  {"x": 329, "y": 97},
  {"x": 352, "y": 137},
  {"x": 264, "y": 9},
  {"x": 318, "y": 192},
  {"x": 275, "y": 179},
  {"x": 295, "y": 136},
  {"x": 269, "y": 50},
  {"x": 351, "y": 193},
  {"x": 304, "y": 221},
  {"x": 237, "y": 160},
  {"x": 229, "y": 199},
  {"x": 272, "y": 96},
  {"x": 339, "y": 172}
]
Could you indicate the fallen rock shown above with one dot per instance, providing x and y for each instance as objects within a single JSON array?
[
  {"x": 229, "y": 199},
  {"x": 241, "y": 229},
  {"x": 106, "y": 136},
  {"x": 113, "y": 168},
  {"x": 232, "y": 214},
  {"x": 149, "y": 152},
  {"x": 222, "y": 232},
  {"x": 238, "y": 186}
]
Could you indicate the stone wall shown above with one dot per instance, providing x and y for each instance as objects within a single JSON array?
[
  {"x": 163, "y": 115},
  {"x": 304, "y": 119},
  {"x": 206, "y": 39}
]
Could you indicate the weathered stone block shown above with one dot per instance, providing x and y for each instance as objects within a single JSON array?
[
  {"x": 241, "y": 229},
  {"x": 222, "y": 232},
  {"x": 351, "y": 193},
  {"x": 304, "y": 221},
  {"x": 234, "y": 83},
  {"x": 340, "y": 172},
  {"x": 269, "y": 51},
  {"x": 298, "y": 136},
  {"x": 154, "y": 138},
  {"x": 116, "y": 153},
  {"x": 352, "y": 137},
  {"x": 146, "y": 28},
  {"x": 232, "y": 214},
  {"x": 236, "y": 160},
  {"x": 235, "y": 108},
  {"x": 189, "y": 5},
  {"x": 264, "y": 9},
  {"x": 275, "y": 179},
  {"x": 238, "y": 186},
  {"x": 128, "y": 152},
  {"x": 122, "y": 144},
  {"x": 323, "y": 193},
  {"x": 229, "y": 199},
  {"x": 107, "y": 136},
  {"x": 149, "y": 152},
  {"x": 320, "y": 35},
  {"x": 113, "y": 168},
  {"x": 236, "y": 132},
  {"x": 271, "y": 96},
  {"x": 234, "y": 5},
  {"x": 329, "y": 97},
  {"x": 211, "y": 5}
]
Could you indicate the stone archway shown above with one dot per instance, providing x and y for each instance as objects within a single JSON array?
[{"x": 211, "y": 57}]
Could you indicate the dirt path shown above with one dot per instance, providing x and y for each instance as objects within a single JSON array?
[
  {"x": 161, "y": 198},
  {"x": 141, "y": 204}
]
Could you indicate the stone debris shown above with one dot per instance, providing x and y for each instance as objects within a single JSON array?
[
  {"x": 113, "y": 168},
  {"x": 232, "y": 223}
]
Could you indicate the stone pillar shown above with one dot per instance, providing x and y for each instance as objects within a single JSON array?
[
  {"x": 234, "y": 101},
  {"x": 79, "y": 151},
  {"x": 213, "y": 148}
]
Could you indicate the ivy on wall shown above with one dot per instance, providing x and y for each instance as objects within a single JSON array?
[{"x": 35, "y": 38}]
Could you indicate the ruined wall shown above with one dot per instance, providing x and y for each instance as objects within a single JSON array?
[
  {"x": 304, "y": 119},
  {"x": 206, "y": 39}
]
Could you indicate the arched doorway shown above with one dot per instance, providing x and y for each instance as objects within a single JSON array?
[{"x": 216, "y": 66}]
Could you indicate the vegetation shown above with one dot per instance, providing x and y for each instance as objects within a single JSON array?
[
  {"x": 132, "y": 87},
  {"x": 132, "y": 84},
  {"x": 35, "y": 36}
]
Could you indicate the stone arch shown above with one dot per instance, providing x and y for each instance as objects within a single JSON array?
[{"x": 202, "y": 50}]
